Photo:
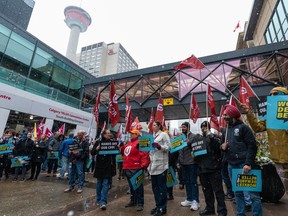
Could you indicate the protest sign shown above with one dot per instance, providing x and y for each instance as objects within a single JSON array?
[
  {"x": 109, "y": 147},
  {"x": 251, "y": 181},
  {"x": 145, "y": 143},
  {"x": 171, "y": 179},
  {"x": 178, "y": 143},
  {"x": 199, "y": 147},
  {"x": 137, "y": 179}
]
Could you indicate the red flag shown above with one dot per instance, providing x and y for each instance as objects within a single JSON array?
[
  {"x": 136, "y": 124},
  {"x": 96, "y": 108},
  {"x": 61, "y": 129},
  {"x": 245, "y": 92},
  {"x": 40, "y": 129},
  {"x": 128, "y": 115},
  {"x": 119, "y": 132},
  {"x": 48, "y": 133},
  {"x": 211, "y": 103},
  {"x": 222, "y": 122},
  {"x": 113, "y": 110},
  {"x": 192, "y": 62},
  {"x": 194, "y": 109},
  {"x": 159, "y": 116},
  {"x": 237, "y": 26},
  {"x": 151, "y": 121},
  {"x": 232, "y": 101}
]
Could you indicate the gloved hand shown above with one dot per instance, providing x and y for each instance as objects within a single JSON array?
[{"x": 156, "y": 145}]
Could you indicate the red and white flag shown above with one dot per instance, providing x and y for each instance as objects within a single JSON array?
[
  {"x": 96, "y": 108},
  {"x": 136, "y": 124},
  {"x": 61, "y": 129},
  {"x": 151, "y": 121},
  {"x": 194, "y": 109},
  {"x": 237, "y": 26},
  {"x": 113, "y": 110},
  {"x": 191, "y": 62},
  {"x": 48, "y": 133},
  {"x": 232, "y": 101},
  {"x": 245, "y": 92},
  {"x": 164, "y": 124},
  {"x": 211, "y": 103},
  {"x": 119, "y": 133},
  {"x": 102, "y": 130},
  {"x": 40, "y": 129},
  {"x": 159, "y": 116},
  {"x": 128, "y": 115}
]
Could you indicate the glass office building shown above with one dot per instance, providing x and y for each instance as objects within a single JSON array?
[{"x": 29, "y": 64}]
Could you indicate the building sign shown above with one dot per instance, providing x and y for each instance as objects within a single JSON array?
[{"x": 168, "y": 101}]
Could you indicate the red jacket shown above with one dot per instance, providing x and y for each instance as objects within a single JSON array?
[{"x": 132, "y": 157}]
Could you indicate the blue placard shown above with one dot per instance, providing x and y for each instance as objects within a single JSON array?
[
  {"x": 6, "y": 148},
  {"x": 88, "y": 163},
  {"x": 109, "y": 147},
  {"x": 19, "y": 161},
  {"x": 178, "y": 143},
  {"x": 145, "y": 143},
  {"x": 199, "y": 147},
  {"x": 277, "y": 112},
  {"x": 54, "y": 155},
  {"x": 119, "y": 158},
  {"x": 251, "y": 181},
  {"x": 171, "y": 178},
  {"x": 137, "y": 179}
]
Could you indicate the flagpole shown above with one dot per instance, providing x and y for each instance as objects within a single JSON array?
[
  {"x": 207, "y": 102},
  {"x": 190, "y": 109}
]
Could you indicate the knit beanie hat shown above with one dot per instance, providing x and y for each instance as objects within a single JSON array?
[
  {"x": 281, "y": 89},
  {"x": 232, "y": 111}
]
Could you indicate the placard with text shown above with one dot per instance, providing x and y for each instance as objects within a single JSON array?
[
  {"x": 178, "y": 143},
  {"x": 109, "y": 147},
  {"x": 19, "y": 161},
  {"x": 199, "y": 147},
  {"x": 137, "y": 179},
  {"x": 6, "y": 148},
  {"x": 251, "y": 181},
  {"x": 145, "y": 143}
]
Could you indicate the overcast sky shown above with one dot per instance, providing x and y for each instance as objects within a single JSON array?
[{"x": 154, "y": 32}]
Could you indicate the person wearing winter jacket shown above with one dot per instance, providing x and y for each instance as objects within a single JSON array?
[
  {"x": 105, "y": 169},
  {"x": 54, "y": 147},
  {"x": 134, "y": 160}
]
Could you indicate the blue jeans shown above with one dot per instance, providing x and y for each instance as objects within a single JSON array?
[
  {"x": 64, "y": 166},
  {"x": 159, "y": 189},
  {"x": 102, "y": 190},
  {"x": 76, "y": 169},
  {"x": 189, "y": 173},
  {"x": 239, "y": 197}
]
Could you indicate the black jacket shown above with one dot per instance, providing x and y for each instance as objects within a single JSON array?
[
  {"x": 105, "y": 165},
  {"x": 242, "y": 146},
  {"x": 211, "y": 161},
  {"x": 24, "y": 148}
]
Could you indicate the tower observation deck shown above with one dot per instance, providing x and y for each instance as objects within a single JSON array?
[{"x": 78, "y": 21}]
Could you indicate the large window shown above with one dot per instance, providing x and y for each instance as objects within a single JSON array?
[{"x": 277, "y": 29}]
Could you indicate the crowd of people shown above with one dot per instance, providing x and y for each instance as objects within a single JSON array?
[{"x": 234, "y": 148}]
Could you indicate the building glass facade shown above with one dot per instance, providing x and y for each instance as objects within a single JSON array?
[
  {"x": 277, "y": 28},
  {"x": 29, "y": 64}
]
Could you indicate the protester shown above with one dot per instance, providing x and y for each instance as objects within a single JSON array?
[
  {"x": 239, "y": 143},
  {"x": 210, "y": 172},
  {"x": 5, "y": 159},
  {"x": 189, "y": 170},
  {"x": 54, "y": 147},
  {"x": 23, "y": 149},
  {"x": 158, "y": 168},
  {"x": 105, "y": 169},
  {"x": 277, "y": 139},
  {"x": 134, "y": 160},
  {"x": 64, "y": 155},
  {"x": 39, "y": 152},
  {"x": 78, "y": 151}
]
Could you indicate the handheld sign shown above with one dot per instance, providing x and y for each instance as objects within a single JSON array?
[
  {"x": 199, "y": 147},
  {"x": 261, "y": 108},
  {"x": 277, "y": 112},
  {"x": 145, "y": 143},
  {"x": 52, "y": 155},
  {"x": 88, "y": 163},
  {"x": 119, "y": 158},
  {"x": 171, "y": 178},
  {"x": 251, "y": 181},
  {"x": 137, "y": 179},
  {"x": 6, "y": 148},
  {"x": 109, "y": 147},
  {"x": 19, "y": 161},
  {"x": 178, "y": 143}
]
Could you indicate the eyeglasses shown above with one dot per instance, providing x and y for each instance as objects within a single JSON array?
[{"x": 273, "y": 94}]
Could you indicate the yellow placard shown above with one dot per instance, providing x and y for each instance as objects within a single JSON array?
[{"x": 168, "y": 101}]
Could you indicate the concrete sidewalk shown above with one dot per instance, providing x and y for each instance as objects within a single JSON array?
[{"x": 45, "y": 197}]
